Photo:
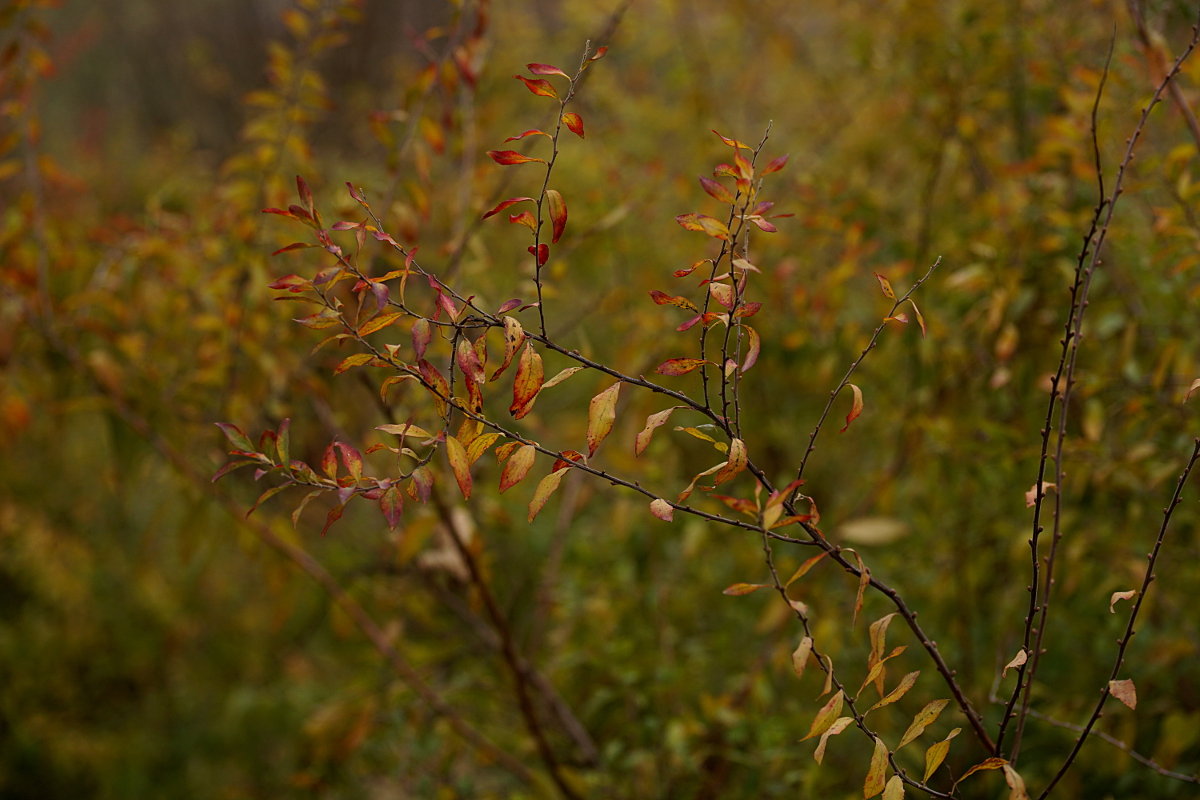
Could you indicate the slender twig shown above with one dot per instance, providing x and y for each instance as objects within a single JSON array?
[
  {"x": 508, "y": 649},
  {"x": 1148, "y": 577},
  {"x": 1086, "y": 264}
]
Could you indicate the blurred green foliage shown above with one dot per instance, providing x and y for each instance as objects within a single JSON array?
[{"x": 151, "y": 645}]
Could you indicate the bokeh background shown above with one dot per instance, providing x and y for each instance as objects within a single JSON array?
[{"x": 155, "y": 643}]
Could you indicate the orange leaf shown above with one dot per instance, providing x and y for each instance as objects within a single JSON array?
[
  {"x": 539, "y": 86},
  {"x": 574, "y": 122},
  {"x": 734, "y": 142},
  {"x": 459, "y": 465},
  {"x": 995, "y": 762},
  {"x": 775, "y": 165},
  {"x": 715, "y": 190},
  {"x": 509, "y": 157},
  {"x": 558, "y": 213},
  {"x": 856, "y": 407},
  {"x": 527, "y": 383},
  {"x": 517, "y": 467},
  {"x": 736, "y": 463},
  {"x": 679, "y": 366},
  {"x": 503, "y": 204},
  {"x": 804, "y": 568},
  {"x": 739, "y": 589},
  {"x": 703, "y": 223},
  {"x": 514, "y": 337},
  {"x": 530, "y": 132},
  {"x": 602, "y": 412}
]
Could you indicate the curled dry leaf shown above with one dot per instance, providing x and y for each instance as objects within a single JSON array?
[
  {"x": 1117, "y": 596},
  {"x": 1032, "y": 494},
  {"x": 1018, "y": 660},
  {"x": 1016, "y": 784},
  {"x": 653, "y": 422},
  {"x": 856, "y": 406},
  {"x": 801, "y": 654}
]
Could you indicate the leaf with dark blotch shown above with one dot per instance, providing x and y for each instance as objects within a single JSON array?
[
  {"x": 679, "y": 366},
  {"x": 510, "y": 157},
  {"x": 885, "y": 286},
  {"x": 738, "y": 589},
  {"x": 514, "y": 337},
  {"x": 664, "y": 299},
  {"x": 503, "y": 204},
  {"x": 530, "y": 132},
  {"x": 602, "y": 413},
  {"x": 856, "y": 406},
  {"x": 527, "y": 383},
  {"x": 873, "y": 785},
  {"x": 546, "y": 487},
  {"x": 558, "y": 214},
  {"x": 716, "y": 190},
  {"x": 924, "y": 718},
  {"x": 517, "y": 467},
  {"x": 574, "y": 123},
  {"x": 653, "y": 422},
  {"x": 236, "y": 436}
]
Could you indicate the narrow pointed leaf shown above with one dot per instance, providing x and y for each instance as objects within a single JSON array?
[
  {"x": 679, "y": 366},
  {"x": 924, "y": 718},
  {"x": 517, "y": 467},
  {"x": 936, "y": 754},
  {"x": 739, "y": 589},
  {"x": 839, "y": 725},
  {"x": 539, "y": 86},
  {"x": 856, "y": 407},
  {"x": 456, "y": 454},
  {"x": 527, "y": 383},
  {"x": 558, "y": 214},
  {"x": 901, "y": 689},
  {"x": 510, "y": 157},
  {"x": 716, "y": 190},
  {"x": 826, "y": 716},
  {"x": 503, "y": 204},
  {"x": 546, "y": 487},
  {"x": 994, "y": 762}
]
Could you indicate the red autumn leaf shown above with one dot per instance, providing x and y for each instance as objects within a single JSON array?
[
  {"x": 539, "y": 86},
  {"x": 558, "y": 214},
  {"x": 512, "y": 201},
  {"x": 422, "y": 334},
  {"x": 306, "y": 195},
  {"x": 542, "y": 252},
  {"x": 530, "y": 132},
  {"x": 574, "y": 122},
  {"x": 524, "y": 218},
  {"x": 508, "y": 157},
  {"x": 527, "y": 383},
  {"x": 775, "y": 165},
  {"x": 664, "y": 299},
  {"x": 599, "y": 54},
  {"x": 715, "y": 190},
  {"x": 391, "y": 503},
  {"x": 517, "y": 467},
  {"x": 545, "y": 69},
  {"x": 292, "y": 283},
  {"x": 565, "y": 459},
  {"x": 293, "y": 246},
  {"x": 679, "y": 366}
]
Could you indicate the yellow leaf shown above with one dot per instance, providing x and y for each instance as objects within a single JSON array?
[
  {"x": 837, "y": 727},
  {"x": 924, "y": 718},
  {"x": 901, "y": 689},
  {"x": 459, "y": 465},
  {"x": 546, "y": 487},
  {"x": 894, "y": 789},
  {"x": 886, "y": 286},
  {"x": 517, "y": 467},
  {"x": 602, "y": 412},
  {"x": 873, "y": 785},
  {"x": 936, "y": 754},
  {"x": 825, "y": 717}
]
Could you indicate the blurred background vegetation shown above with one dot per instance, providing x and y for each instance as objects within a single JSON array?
[{"x": 153, "y": 643}]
